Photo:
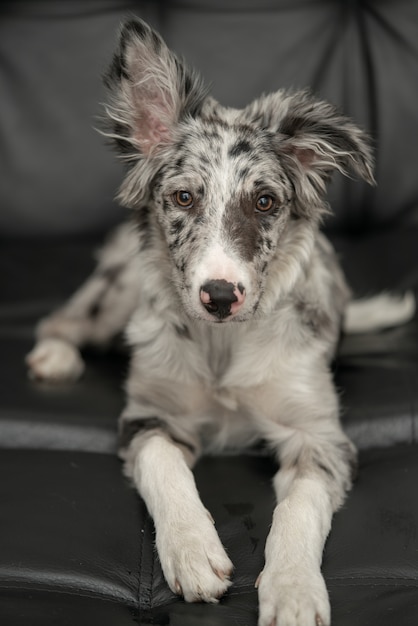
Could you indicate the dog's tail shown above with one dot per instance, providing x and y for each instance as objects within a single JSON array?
[{"x": 378, "y": 312}]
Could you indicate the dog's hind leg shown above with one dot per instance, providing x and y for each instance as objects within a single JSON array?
[
  {"x": 316, "y": 463},
  {"x": 192, "y": 557},
  {"x": 97, "y": 312}
]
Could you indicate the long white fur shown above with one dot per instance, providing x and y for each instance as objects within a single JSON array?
[
  {"x": 192, "y": 557},
  {"x": 301, "y": 523}
]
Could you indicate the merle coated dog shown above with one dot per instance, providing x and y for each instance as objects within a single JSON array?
[{"x": 232, "y": 302}]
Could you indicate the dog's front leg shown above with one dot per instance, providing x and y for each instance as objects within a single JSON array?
[
  {"x": 310, "y": 486},
  {"x": 291, "y": 588},
  {"x": 192, "y": 557}
]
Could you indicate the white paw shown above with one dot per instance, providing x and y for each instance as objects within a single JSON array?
[
  {"x": 292, "y": 598},
  {"x": 55, "y": 360},
  {"x": 193, "y": 559}
]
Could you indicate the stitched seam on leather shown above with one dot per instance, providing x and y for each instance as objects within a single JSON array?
[
  {"x": 353, "y": 581},
  {"x": 371, "y": 579},
  {"x": 402, "y": 583},
  {"x": 150, "y": 544},
  {"x": 146, "y": 573},
  {"x": 142, "y": 533},
  {"x": 152, "y": 580},
  {"x": 413, "y": 409},
  {"x": 373, "y": 583},
  {"x": 69, "y": 592},
  {"x": 141, "y": 547}
]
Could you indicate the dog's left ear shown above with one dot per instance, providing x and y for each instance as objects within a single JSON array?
[
  {"x": 151, "y": 91},
  {"x": 313, "y": 139}
]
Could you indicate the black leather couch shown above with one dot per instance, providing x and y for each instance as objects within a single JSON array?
[{"x": 76, "y": 543}]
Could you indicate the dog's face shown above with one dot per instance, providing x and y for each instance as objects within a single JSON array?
[
  {"x": 222, "y": 198},
  {"x": 223, "y": 186}
]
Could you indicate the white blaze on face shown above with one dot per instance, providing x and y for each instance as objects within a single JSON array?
[
  {"x": 217, "y": 265},
  {"x": 219, "y": 284},
  {"x": 221, "y": 281}
]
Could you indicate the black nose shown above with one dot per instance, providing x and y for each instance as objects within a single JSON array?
[{"x": 217, "y": 297}]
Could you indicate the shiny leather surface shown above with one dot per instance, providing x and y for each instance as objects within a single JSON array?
[
  {"x": 73, "y": 514},
  {"x": 76, "y": 543}
]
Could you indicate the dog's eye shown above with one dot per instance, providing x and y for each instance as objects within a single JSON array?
[
  {"x": 184, "y": 199},
  {"x": 264, "y": 203}
]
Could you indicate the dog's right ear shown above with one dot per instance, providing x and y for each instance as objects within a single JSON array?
[{"x": 151, "y": 91}]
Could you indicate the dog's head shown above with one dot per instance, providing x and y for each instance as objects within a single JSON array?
[{"x": 226, "y": 190}]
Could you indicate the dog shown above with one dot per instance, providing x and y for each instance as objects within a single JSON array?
[{"x": 232, "y": 300}]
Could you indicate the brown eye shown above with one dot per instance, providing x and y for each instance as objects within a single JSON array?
[
  {"x": 264, "y": 203},
  {"x": 184, "y": 199}
]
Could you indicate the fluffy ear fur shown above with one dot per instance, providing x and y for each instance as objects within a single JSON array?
[
  {"x": 151, "y": 91},
  {"x": 314, "y": 140}
]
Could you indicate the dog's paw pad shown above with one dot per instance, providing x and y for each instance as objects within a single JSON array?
[{"x": 54, "y": 359}]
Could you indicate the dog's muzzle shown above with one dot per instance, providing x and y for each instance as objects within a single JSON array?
[{"x": 221, "y": 298}]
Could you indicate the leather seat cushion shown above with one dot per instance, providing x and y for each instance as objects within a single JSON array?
[{"x": 75, "y": 527}]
